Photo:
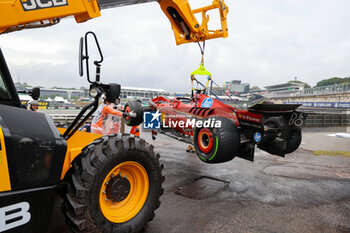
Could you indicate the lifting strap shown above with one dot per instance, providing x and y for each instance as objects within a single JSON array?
[
  {"x": 201, "y": 70},
  {"x": 202, "y": 50}
]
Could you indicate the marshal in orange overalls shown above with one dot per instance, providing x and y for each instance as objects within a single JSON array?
[
  {"x": 135, "y": 130},
  {"x": 101, "y": 124}
]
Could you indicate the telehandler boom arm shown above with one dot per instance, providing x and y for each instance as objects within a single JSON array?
[{"x": 21, "y": 14}]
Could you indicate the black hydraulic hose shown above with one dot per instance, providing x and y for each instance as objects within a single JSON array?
[{"x": 74, "y": 127}]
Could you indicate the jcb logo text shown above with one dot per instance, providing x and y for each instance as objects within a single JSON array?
[
  {"x": 29, "y": 5},
  {"x": 15, "y": 215}
]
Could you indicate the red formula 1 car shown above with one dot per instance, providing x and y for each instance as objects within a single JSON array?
[{"x": 220, "y": 131}]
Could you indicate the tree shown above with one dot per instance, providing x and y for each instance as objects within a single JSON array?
[
  {"x": 52, "y": 96},
  {"x": 334, "y": 80},
  {"x": 255, "y": 88}
]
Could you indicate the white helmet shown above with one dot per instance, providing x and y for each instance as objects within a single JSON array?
[{"x": 33, "y": 102}]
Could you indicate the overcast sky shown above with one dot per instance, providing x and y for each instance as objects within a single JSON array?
[{"x": 269, "y": 42}]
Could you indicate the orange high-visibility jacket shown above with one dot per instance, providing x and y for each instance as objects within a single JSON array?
[{"x": 98, "y": 123}]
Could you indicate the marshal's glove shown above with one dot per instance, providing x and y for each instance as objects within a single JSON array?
[
  {"x": 132, "y": 114},
  {"x": 129, "y": 114}
]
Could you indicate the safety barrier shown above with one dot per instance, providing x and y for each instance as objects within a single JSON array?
[
  {"x": 314, "y": 91},
  {"x": 327, "y": 120},
  {"x": 341, "y": 105},
  {"x": 329, "y": 89},
  {"x": 66, "y": 119}
]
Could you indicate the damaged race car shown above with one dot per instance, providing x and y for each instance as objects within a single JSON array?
[{"x": 219, "y": 131}]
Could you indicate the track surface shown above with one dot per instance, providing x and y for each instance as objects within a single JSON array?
[{"x": 300, "y": 193}]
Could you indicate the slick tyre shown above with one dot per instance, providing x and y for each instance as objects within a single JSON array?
[
  {"x": 135, "y": 106},
  {"x": 294, "y": 141},
  {"x": 114, "y": 185},
  {"x": 276, "y": 148},
  {"x": 217, "y": 145}
]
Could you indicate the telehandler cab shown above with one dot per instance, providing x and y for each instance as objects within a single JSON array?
[{"x": 109, "y": 184}]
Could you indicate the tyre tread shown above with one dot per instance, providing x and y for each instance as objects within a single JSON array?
[{"x": 80, "y": 179}]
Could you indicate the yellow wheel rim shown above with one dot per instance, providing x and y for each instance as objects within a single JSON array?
[{"x": 133, "y": 200}]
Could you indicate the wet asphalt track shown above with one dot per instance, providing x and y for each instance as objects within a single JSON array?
[{"x": 299, "y": 193}]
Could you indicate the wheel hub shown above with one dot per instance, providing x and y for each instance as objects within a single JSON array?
[
  {"x": 205, "y": 140},
  {"x": 118, "y": 188}
]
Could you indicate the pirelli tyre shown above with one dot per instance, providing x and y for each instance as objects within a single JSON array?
[
  {"x": 276, "y": 146},
  {"x": 217, "y": 144},
  {"x": 113, "y": 186},
  {"x": 294, "y": 141},
  {"x": 136, "y": 107}
]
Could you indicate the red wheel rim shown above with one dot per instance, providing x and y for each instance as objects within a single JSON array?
[{"x": 205, "y": 140}]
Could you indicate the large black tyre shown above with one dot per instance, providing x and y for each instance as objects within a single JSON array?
[
  {"x": 90, "y": 176},
  {"x": 276, "y": 148},
  {"x": 294, "y": 141},
  {"x": 217, "y": 145},
  {"x": 135, "y": 106}
]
